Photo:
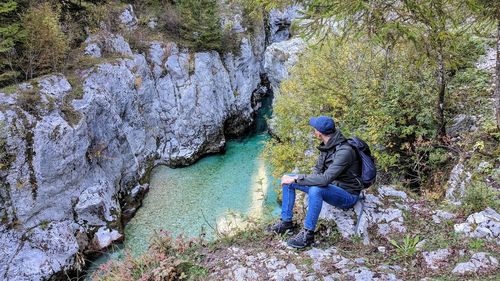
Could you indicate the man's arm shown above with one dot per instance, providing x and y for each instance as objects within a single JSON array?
[
  {"x": 317, "y": 169},
  {"x": 342, "y": 159}
]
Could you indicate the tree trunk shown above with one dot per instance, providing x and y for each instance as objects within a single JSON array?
[
  {"x": 497, "y": 86},
  {"x": 442, "y": 89}
]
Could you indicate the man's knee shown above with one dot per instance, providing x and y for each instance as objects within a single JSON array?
[{"x": 315, "y": 191}]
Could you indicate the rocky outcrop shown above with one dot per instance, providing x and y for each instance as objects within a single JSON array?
[
  {"x": 78, "y": 147},
  {"x": 370, "y": 212},
  {"x": 285, "y": 264},
  {"x": 479, "y": 263},
  {"x": 458, "y": 180},
  {"x": 280, "y": 58},
  {"x": 280, "y": 22},
  {"x": 436, "y": 259},
  {"x": 485, "y": 224}
]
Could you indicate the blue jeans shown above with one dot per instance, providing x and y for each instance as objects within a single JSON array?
[{"x": 331, "y": 194}]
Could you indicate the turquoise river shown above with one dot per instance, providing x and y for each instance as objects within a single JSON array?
[{"x": 216, "y": 194}]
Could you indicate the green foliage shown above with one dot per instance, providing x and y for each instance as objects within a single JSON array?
[
  {"x": 200, "y": 24},
  {"x": 168, "y": 258},
  {"x": 476, "y": 244},
  {"x": 478, "y": 196},
  {"x": 5, "y": 158},
  {"x": 406, "y": 248},
  {"x": 10, "y": 35},
  {"x": 390, "y": 72},
  {"x": 45, "y": 45},
  {"x": 384, "y": 97}
]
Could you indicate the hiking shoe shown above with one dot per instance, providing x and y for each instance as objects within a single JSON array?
[
  {"x": 280, "y": 227},
  {"x": 302, "y": 239}
]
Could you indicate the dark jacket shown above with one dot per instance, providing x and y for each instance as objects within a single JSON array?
[{"x": 337, "y": 164}]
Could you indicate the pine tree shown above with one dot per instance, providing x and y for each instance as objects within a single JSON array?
[
  {"x": 10, "y": 35},
  {"x": 45, "y": 45},
  {"x": 201, "y": 28}
]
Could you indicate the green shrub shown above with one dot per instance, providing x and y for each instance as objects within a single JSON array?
[
  {"x": 200, "y": 24},
  {"x": 45, "y": 45},
  {"x": 10, "y": 35},
  {"x": 5, "y": 158},
  {"x": 386, "y": 101},
  {"x": 479, "y": 196}
]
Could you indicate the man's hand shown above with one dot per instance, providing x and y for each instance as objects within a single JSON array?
[{"x": 286, "y": 179}]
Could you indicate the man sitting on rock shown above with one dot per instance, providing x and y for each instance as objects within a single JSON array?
[{"x": 334, "y": 180}]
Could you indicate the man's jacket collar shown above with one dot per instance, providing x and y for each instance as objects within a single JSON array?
[{"x": 336, "y": 139}]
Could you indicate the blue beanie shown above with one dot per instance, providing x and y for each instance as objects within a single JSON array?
[{"x": 323, "y": 124}]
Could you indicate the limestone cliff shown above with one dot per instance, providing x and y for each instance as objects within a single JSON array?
[{"x": 77, "y": 147}]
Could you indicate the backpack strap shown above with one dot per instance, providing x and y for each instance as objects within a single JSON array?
[{"x": 357, "y": 177}]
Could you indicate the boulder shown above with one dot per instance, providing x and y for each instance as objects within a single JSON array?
[
  {"x": 484, "y": 224},
  {"x": 386, "y": 219},
  {"x": 128, "y": 18},
  {"x": 479, "y": 263},
  {"x": 436, "y": 259}
]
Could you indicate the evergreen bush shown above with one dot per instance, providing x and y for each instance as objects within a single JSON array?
[
  {"x": 45, "y": 45},
  {"x": 200, "y": 24}
]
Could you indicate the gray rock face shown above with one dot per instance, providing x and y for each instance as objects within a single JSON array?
[
  {"x": 437, "y": 259},
  {"x": 74, "y": 163},
  {"x": 485, "y": 224},
  {"x": 386, "y": 220},
  {"x": 128, "y": 18},
  {"x": 389, "y": 191},
  {"x": 440, "y": 215},
  {"x": 479, "y": 262},
  {"x": 461, "y": 124},
  {"x": 279, "y": 59},
  {"x": 459, "y": 179},
  {"x": 488, "y": 61},
  {"x": 280, "y": 22}
]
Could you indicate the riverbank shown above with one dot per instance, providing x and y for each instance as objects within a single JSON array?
[{"x": 428, "y": 245}]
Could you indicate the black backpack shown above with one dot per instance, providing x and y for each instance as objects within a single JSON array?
[{"x": 368, "y": 168}]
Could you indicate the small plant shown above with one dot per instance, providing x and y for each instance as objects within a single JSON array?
[
  {"x": 408, "y": 246},
  {"x": 476, "y": 244},
  {"x": 478, "y": 197},
  {"x": 168, "y": 258},
  {"x": 44, "y": 224}
]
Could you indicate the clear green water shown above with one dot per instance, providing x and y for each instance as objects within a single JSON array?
[
  {"x": 217, "y": 192},
  {"x": 214, "y": 193}
]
